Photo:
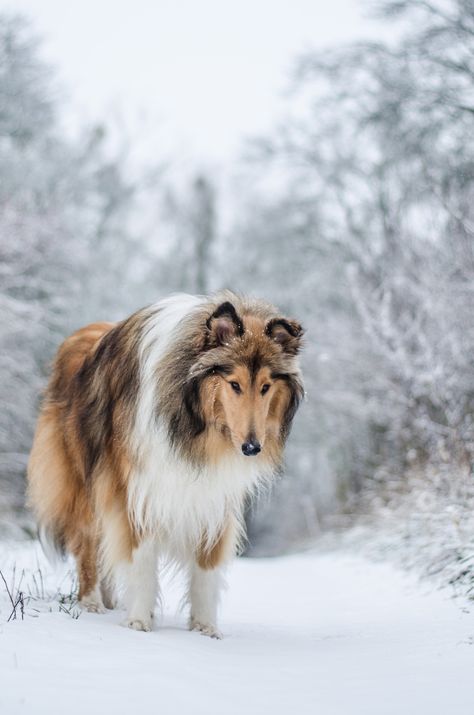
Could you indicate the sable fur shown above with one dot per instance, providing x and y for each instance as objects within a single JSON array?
[{"x": 137, "y": 450}]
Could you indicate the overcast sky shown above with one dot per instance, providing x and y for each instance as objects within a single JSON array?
[{"x": 198, "y": 74}]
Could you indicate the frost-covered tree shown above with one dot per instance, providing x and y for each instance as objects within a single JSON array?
[
  {"x": 66, "y": 249},
  {"x": 371, "y": 237},
  {"x": 190, "y": 218},
  {"x": 393, "y": 159}
]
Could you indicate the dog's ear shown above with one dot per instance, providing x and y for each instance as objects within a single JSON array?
[
  {"x": 287, "y": 333},
  {"x": 223, "y": 325}
]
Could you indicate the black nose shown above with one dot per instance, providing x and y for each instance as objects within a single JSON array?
[{"x": 251, "y": 448}]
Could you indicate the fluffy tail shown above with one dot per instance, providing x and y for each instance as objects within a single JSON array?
[{"x": 53, "y": 547}]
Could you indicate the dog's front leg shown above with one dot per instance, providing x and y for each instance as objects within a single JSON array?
[
  {"x": 142, "y": 586},
  {"x": 204, "y": 590},
  {"x": 206, "y": 578}
]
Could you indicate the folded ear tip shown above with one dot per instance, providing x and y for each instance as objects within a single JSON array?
[
  {"x": 224, "y": 324},
  {"x": 226, "y": 306},
  {"x": 286, "y": 333},
  {"x": 292, "y": 327}
]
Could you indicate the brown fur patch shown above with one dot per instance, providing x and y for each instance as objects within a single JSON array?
[
  {"x": 210, "y": 557},
  {"x": 86, "y": 408}
]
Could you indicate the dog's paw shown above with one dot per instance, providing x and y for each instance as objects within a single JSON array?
[
  {"x": 138, "y": 624},
  {"x": 91, "y": 605},
  {"x": 206, "y": 629}
]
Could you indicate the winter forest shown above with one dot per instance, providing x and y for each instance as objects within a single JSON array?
[{"x": 353, "y": 213}]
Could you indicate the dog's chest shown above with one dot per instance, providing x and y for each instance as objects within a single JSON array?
[{"x": 182, "y": 503}]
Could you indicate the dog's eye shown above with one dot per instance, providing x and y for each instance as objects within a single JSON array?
[
  {"x": 265, "y": 389},
  {"x": 236, "y": 387}
]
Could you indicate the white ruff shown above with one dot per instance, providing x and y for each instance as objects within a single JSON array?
[
  {"x": 181, "y": 503},
  {"x": 159, "y": 332},
  {"x": 168, "y": 497}
]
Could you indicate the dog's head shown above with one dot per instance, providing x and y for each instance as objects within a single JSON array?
[{"x": 245, "y": 383}]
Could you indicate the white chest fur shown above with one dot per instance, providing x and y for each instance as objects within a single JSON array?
[{"x": 181, "y": 504}]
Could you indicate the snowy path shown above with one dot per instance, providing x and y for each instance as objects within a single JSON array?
[{"x": 322, "y": 634}]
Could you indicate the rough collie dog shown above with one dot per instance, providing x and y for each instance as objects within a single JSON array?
[{"x": 152, "y": 433}]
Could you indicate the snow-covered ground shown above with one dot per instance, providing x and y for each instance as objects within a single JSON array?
[{"x": 313, "y": 633}]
